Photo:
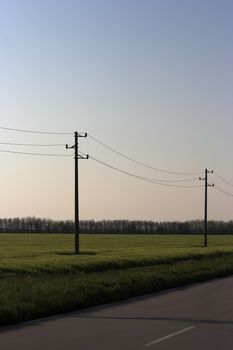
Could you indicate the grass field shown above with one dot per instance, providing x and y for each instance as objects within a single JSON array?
[{"x": 40, "y": 275}]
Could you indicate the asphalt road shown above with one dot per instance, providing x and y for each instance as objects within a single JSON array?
[{"x": 195, "y": 317}]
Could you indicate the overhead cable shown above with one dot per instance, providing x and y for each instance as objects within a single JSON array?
[
  {"x": 32, "y": 144},
  {"x": 36, "y": 131},
  {"x": 219, "y": 189},
  {"x": 143, "y": 164},
  {"x": 221, "y": 178},
  {"x": 36, "y": 154},
  {"x": 158, "y": 182}
]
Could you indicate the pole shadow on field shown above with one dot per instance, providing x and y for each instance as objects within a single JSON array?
[{"x": 83, "y": 253}]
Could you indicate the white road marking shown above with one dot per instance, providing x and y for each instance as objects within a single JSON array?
[{"x": 169, "y": 336}]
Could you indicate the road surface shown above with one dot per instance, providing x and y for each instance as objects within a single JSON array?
[{"x": 194, "y": 317}]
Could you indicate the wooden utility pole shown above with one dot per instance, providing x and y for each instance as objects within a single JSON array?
[
  {"x": 76, "y": 193},
  {"x": 205, "y": 205}
]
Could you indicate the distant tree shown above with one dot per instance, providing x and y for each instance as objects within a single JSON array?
[{"x": 37, "y": 225}]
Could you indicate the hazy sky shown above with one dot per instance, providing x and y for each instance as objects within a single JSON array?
[{"x": 152, "y": 79}]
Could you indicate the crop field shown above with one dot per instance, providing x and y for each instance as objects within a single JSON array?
[{"x": 40, "y": 275}]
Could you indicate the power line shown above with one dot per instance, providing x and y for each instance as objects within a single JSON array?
[
  {"x": 36, "y": 132},
  {"x": 36, "y": 154},
  {"x": 141, "y": 177},
  {"x": 221, "y": 178},
  {"x": 219, "y": 189},
  {"x": 32, "y": 144},
  {"x": 143, "y": 164},
  {"x": 147, "y": 178}
]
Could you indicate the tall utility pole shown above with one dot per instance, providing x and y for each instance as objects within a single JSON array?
[
  {"x": 205, "y": 206},
  {"x": 76, "y": 193}
]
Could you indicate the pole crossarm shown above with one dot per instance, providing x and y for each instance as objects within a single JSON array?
[
  {"x": 210, "y": 185},
  {"x": 76, "y": 134},
  {"x": 80, "y": 156}
]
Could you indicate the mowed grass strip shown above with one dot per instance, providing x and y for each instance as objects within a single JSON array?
[{"x": 40, "y": 276}]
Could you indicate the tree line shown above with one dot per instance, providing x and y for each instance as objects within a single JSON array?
[{"x": 37, "y": 225}]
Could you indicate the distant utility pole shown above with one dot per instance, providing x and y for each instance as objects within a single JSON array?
[
  {"x": 205, "y": 206},
  {"x": 76, "y": 194}
]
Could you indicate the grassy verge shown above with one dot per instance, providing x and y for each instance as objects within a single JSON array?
[
  {"x": 43, "y": 278},
  {"x": 42, "y": 254}
]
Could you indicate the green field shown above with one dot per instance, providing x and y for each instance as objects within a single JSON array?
[{"x": 40, "y": 275}]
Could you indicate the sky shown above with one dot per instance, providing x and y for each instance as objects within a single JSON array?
[{"x": 151, "y": 79}]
